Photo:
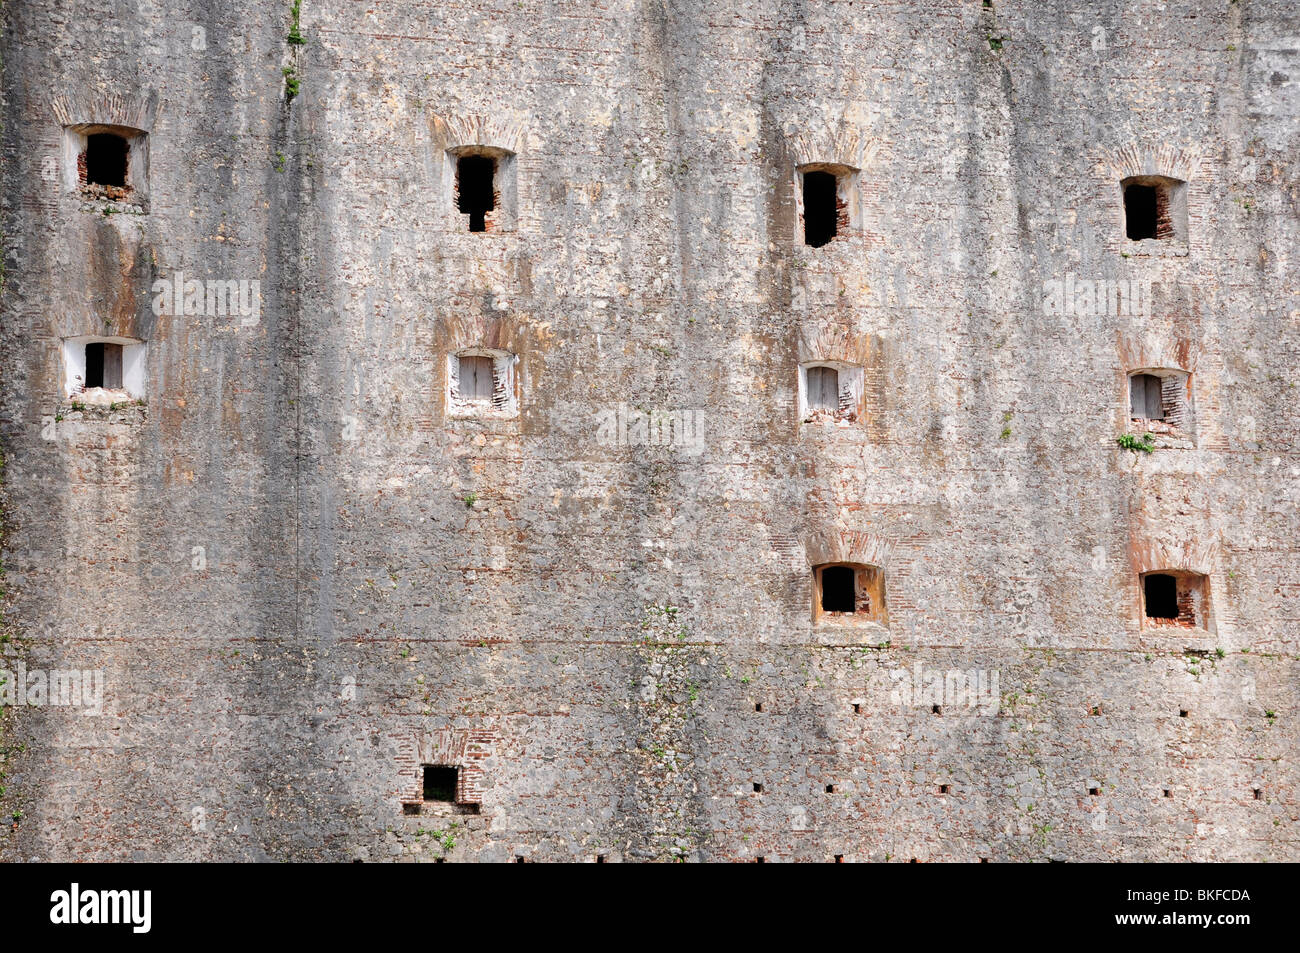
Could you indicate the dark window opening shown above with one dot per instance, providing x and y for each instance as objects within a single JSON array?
[
  {"x": 1096, "y": 709},
  {"x": 440, "y": 783},
  {"x": 838, "y": 589},
  {"x": 104, "y": 365},
  {"x": 830, "y": 789},
  {"x": 1169, "y": 792},
  {"x": 758, "y": 707},
  {"x": 600, "y": 858},
  {"x": 943, "y": 789},
  {"x": 758, "y": 788},
  {"x": 847, "y": 594},
  {"x": 1161, "y": 596},
  {"x": 820, "y": 211},
  {"x": 760, "y": 860},
  {"x": 984, "y": 860},
  {"x": 1145, "y": 398},
  {"x": 474, "y": 192},
  {"x": 410, "y": 809},
  {"x": 857, "y": 709},
  {"x": 839, "y": 858},
  {"x": 1259, "y": 794},
  {"x": 1140, "y": 211},
  {"x": 1182, "y": 713},
  {"x": 823, "y": 389},
  {"x": 519, "y": 860},
  {"x": 936, "y": 709},
  {"x": 1094, "y": 792},
  {"x": 106, "y": 159},
  {"x": 475, "y": 381}
]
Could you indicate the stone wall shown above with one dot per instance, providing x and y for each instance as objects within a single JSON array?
[{"x": 301, "y": 575}]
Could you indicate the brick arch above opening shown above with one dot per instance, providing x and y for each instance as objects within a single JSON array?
[
  {"x": 97, "y": 108},
  {"x": 500, "y": 332},
  {"x": 836, "y": 343},
  {"x": 1182, "y": 555},
  {"x": 504, "y": 131},
  {"x": 848, "y": 546},
  {"x": 1171, "y": 159},
  {"x": 837, "y": 142},
  {"x": 1157, "y": 350}
]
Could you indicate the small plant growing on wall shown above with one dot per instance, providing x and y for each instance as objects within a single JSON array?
[
  {"x": 295, "y": 36},
  {"x": 1129, "y": 442}
]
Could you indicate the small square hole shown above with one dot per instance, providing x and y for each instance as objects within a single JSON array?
[
  {"x": 1095, "y": 792},
  {"x": 830, "y": 789},
  {"x": 1182, "y": 713},
  {"x": 440, "y": 783},
  {"x": 106, "y": 159},
  {"x": 943, "y": 789},
  {"x": 936, "y": 710},
  {"x": 519, "y": 860},
  {"x": 760, "y": 860},
  {"x": 410, "y": 809},
  {"x": 839, "y": 858},
  {"x": 600, "y": 858},
  {"x": 984, "y": 860},
  {"x": 857, "y": 709},
  {"x": 758, "y": 788},
  {"x": 1168, "y": 792},
  {"x": 837, "y": 589},
  {"x": 1259, "y": 794},
  {"x": 1096, "y": 709},
  {"x": 758, "y": 706},
  {"x": 1175, "y": 598}
]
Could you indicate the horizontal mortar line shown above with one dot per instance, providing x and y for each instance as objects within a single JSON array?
[
  {"x": 501, "y": 51},
  {"x": 874, "y": 646}
]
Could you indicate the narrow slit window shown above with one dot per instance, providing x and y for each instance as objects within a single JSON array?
[
  {"x": 1140, "y": 211},
  {"x": 475, "y": 191},
  {"x": 440, "y": 783},
  {"x": 1161, "y": 596},
  {"x": 820, "y": 208},
  {"x": 838, "y": 589},
  {"x": 1146, "y": 400},
  {"x": 104, "y": 365},
  {"x": 475, "y": 381},
  {"x": 106, "y": 156},
  {"x": 823, "y": 389}
]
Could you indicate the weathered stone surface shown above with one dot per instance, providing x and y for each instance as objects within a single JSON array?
[{"x": 296, "y": 571}]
